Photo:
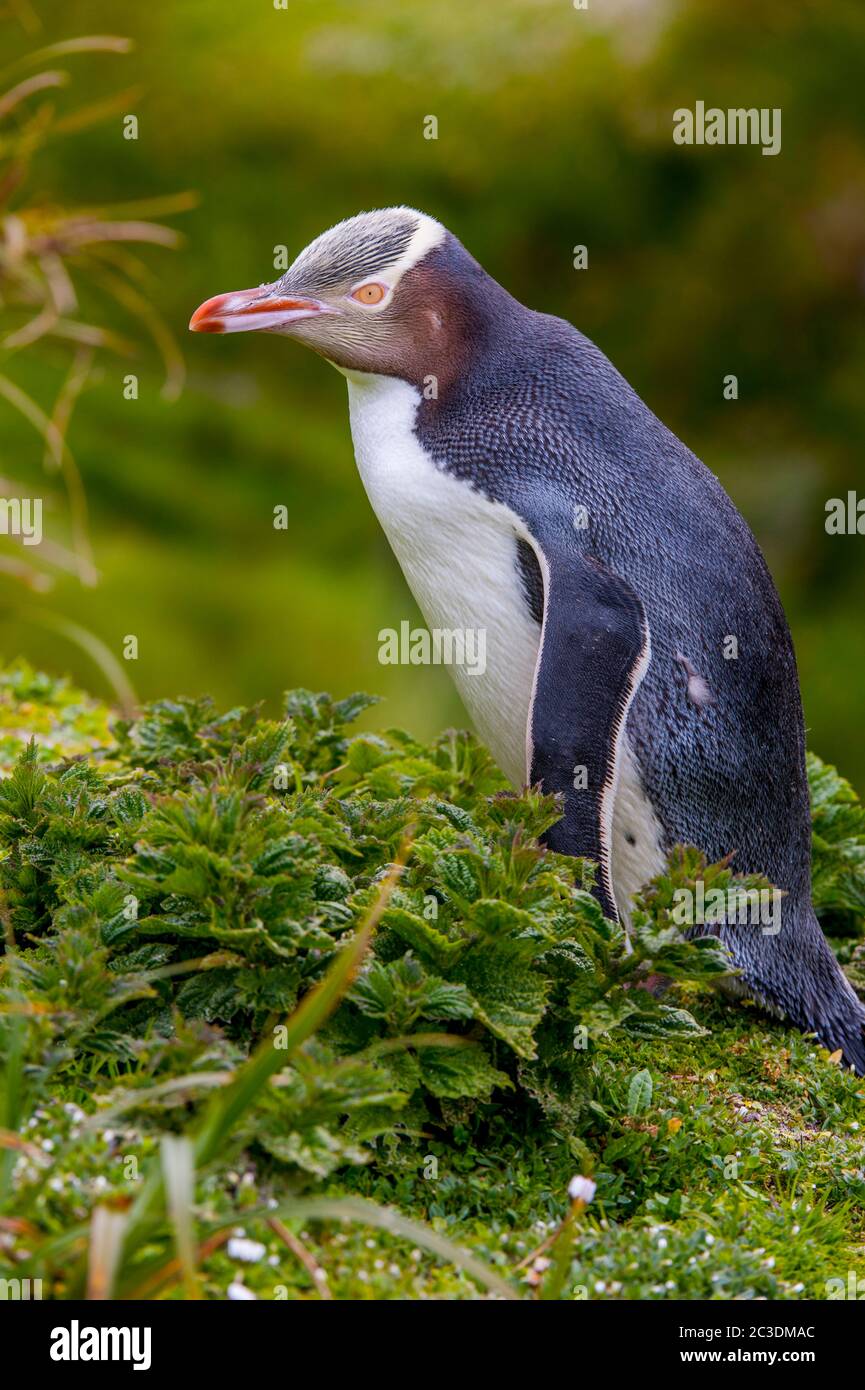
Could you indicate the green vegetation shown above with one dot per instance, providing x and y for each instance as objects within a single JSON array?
[{"x": 291, "y": 1011}]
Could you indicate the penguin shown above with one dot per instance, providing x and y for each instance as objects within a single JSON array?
[{"x": 638, "y": 660}]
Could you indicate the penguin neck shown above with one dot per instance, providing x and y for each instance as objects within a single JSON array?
[
  {"x": 481, "y": 322},
  {"x": 458, "y": 321}
]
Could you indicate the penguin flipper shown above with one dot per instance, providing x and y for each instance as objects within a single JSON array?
[{"x": 594, "y": 652}]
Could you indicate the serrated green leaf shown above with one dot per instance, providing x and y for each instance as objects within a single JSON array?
[
  {"x": 509, "y": 995},
  {"x": 454, "y": 1073},
  {"x": 664, "y": 1021}
]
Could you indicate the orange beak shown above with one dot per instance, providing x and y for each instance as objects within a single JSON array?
[{"x": 244, "y": 310}]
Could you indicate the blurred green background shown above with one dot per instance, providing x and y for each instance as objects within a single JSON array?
[{"x": 555, "y": 129}]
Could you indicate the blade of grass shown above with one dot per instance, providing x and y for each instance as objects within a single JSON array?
[
  {"x": 300, "y": 1252},
  {"x": 71, "y": 389},
  {"x": 178, "y": 1171},
  {"x": 8, "y": 1140},
  {"x": 97, "y": 111},
  {"x": 34, "y": 579},
  {"x": 144, "y": 1095},
  {"x": 163, "y": 205},
  {"x": 90, "y": 43},
  {"x": 78, "y": 232},
  {"x": 36, "y": 415},
  {"x": 11, "y": 1097},
  {"x": 136, "y": 304},
  {"x": 356, "y": 1210},
  {"x": 95, "y": 649},
  {"x": 24, "y": 89},
  {"x": 106, "y": 1241},
  {"x": 91, "y": 334},
  {"x": 359, "y": 1211},
  {"x": 30, "y": 332}
]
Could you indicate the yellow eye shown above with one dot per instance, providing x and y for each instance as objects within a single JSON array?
[{"x": 369, "y": 294}]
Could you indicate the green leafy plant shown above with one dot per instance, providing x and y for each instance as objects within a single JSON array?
[{"x": 231, "y": 939}]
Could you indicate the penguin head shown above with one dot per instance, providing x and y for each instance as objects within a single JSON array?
[{"x": 388, "y": 292}]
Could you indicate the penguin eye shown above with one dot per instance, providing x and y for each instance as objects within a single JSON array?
[{"x": 372, "y": 293}]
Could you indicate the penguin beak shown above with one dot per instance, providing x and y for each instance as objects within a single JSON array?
[{"x": 241, "y": 311}]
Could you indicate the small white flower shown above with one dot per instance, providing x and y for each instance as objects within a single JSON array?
[
  {"x": 239, "y": 1248},
  {"x": 239, "y": 1293},
  {"x": 582, "y": 1189}
]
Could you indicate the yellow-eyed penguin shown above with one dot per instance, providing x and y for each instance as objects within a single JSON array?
[{"x": 638, "y": 660}]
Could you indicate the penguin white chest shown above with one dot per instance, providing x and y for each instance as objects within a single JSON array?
[{"x": 457, "y": 550}]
